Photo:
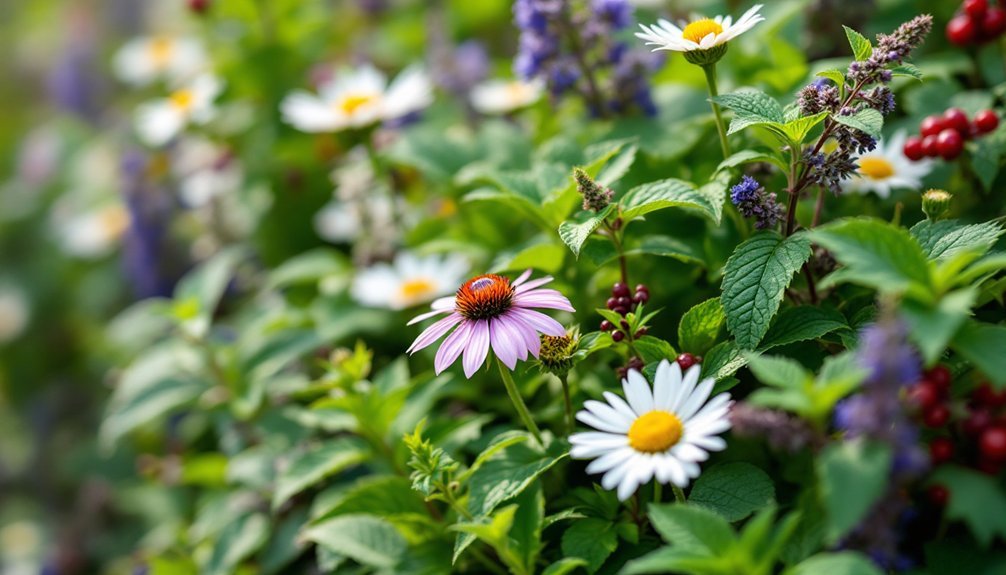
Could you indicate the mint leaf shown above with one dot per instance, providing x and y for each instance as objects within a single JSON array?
[
  {"x": 733, "y": 490},
  {"x": 797, "y": 130},
  {"x": 692, "y": 528},
  {"x": 752, "y": 104},
  {"x": 662, "y": 194},
  {"x": 316, "y": 464},
  {"x": 836, "y": 76},
  {"x": 945, "y": 238},
  {"x": 841, "y": 563},
  {"x": 907, "y": 70},
  {"x": 700, "y": 327},
  {"x": 861, "y": 47},
  {"x": 365, "y": 539},
  {"x": 975, "y": 499},
  {"x": 853, "y": 476},
  {"x": 575, "y": 234},
  {"x": 590, "y": 539},
  {"x": 982, "y": 344},
  {"x": 800, "y": 324},
  {"x": 754, "y": 279},
  {"x": 866, "y": 120}
]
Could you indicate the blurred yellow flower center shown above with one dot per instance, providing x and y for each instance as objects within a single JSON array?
[
  {"x": 350, "y": 103},
  {"x": 655, "y": 431},
  {"x": 699, "y": 29},
  {"x": 160, "y": 51},
  {"x": 875, "y": 167},
  {"x": 114, "y": 220},
  {"x": 517, "y": 91},
  {"x": 419, "y": 288},
  {"x": 181, "y": 99}
]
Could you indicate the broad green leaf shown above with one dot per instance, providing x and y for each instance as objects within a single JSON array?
[
  {"x": 876, "y": 254},
  {"x": 675, "y": 560},
  {"x": 653, "y": 349},
  {"x": 853, "y": 476},
  {"x": 527, "y": 525},
  {"x": 722, "y": 361},
  {"x": 691, "y": 528},
  {"x": 199, "y": 292},
  {"x": 380, "y": 495},
  {"x": 754, "y": 279},
  {"x": 943, "y": 239},
  {"x": 801, "y": 323},
  {"x": 564, "y": 566},
  {"x": 600, "y": 251},
  {"x": 797, "y": 130},
  {"x": 907, "y": 70},
  {"x": 986, "y": 156},
  {"x": 866, "y": 120},
  {"x": 547, "y": 257},
  {"x": 861, "y": 47},
  {"x": 285, "y": 543},
  {"x": 975, "y": 499},
  {"x": 734, "y": 490},
  {"x": 525, "y": 206},
  {"x": 751, "y": 107},
  {"x": 747, "y": 157},
  {"x": 700, "y": 327},
  {"x": 841, "y": 563},
  {"x": 778, "y": 371},
  {"x": 933, "y": 326},
  {"x": 662, "y": 194},
  {"x": 836, "y": 76},
  {"x": 308, "y": 267},
  {"x": 983, "y": 345},
  {"x": 365, "y": 539},
  {"x": 574, "y": 234},
  {"x": 237, "y": 542},
  {"x": 321, "y": 461},
  {"x": 591, "y": 540}
]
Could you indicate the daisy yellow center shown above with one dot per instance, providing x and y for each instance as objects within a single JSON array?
[
  {"x": 517, "y": 91},
  {"x": 350, "y": 103},
  {"x": 655, "y": 432},
  {"x": 699, "y": 29},
  {"x": 876, "y": 167},
  {"x": 114, "y": 220},
  {"x": 419, "y": 288},
  {"x": 182, "y": 99},
  {"x": 160, "y": 51}
]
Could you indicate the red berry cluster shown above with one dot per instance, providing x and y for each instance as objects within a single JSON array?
[
  {"x": 976, "y": 23},
  {"x": 943, "y": 136},
  {"x": 621, "y": 303},
  {"x": 687, "y": 360},
  {"x": 978, "y": 438}
]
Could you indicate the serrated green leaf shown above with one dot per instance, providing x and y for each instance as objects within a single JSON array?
[
  {"x": 778, "y": 371},
  {"x": 943, "y": 239},
  {"x": 800, "y": 324},
  {"x": 527, "y": 525},
  {"x": 319, "y": 462},
  {"x": 853, "y": 476},
  {"x": 836, "y": 76},
  {"x": 866, "y": 120},
  {"x": 986, "y": 157},
  {"x": 593, "y": 540},
  {"x": 574, "y": 234},
  {"x": 861, "y": 47},
  {"x": 975, "y": 499},
  {"x": 692, "y": 528},
  {"x": 747, "y": 157},
  {"x": 932, "y": 327},
  {"x": 754, "y": 279},
  {"x": 700, "y": 327},
  {"x": 733, "y": 490},
  {"x": 238, "y": 541},
  {"x": 564, "y": 566},
  {"x": 907, "y": 70},
  {"x": 365, "y": 539},
  {"x": 982, "y": 344},
  {"x": 796, "y": 130},
  {"x": 722, "y": 361},
  {"x": 752, "y": 105},
  {"x": 662, "y": 194},
  {"x": 841, "y": 563}
]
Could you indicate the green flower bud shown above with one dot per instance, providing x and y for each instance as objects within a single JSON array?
[
  {"x": 556, "y": 355},
  {"x": 936, "y": 203}
]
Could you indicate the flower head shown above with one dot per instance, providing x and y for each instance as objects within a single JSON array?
[
  {"x": 408, "y": 281},
  {"x": 663, "y": 432},
  {"x": 936, "y": 203},
  {"x": 502, "y": 96},
  {"x": 886, "y": 168},
  {"x": 556, "y": 354},
  {"x": 358, "y": 98},
  {"x": 143, "y": 60},
  {"x": 754, "y": 202},
  {"x": 700, "y": 35},
  {"x": 159, "y": 121},
  {"x": 490, "y": 310}
]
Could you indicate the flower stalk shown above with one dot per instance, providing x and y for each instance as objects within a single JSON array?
[
  {"x": 710, "y": 70},
  {"x": 518, "y": 403}
]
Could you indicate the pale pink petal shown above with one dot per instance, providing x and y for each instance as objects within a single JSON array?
[
  {"x": 477, "y": 348},
  {"x": 521, "y": 278},
  {"x": 540, "y": 321},
  {"x": 544, "y": 300},
  {"x": 510, "y": 328},
  {"x": 446, "y": 302},
  {"x": 452, "y": 347},
  {"x": 533, "y": 284},
  {"x": 434, "y": 332},
  {"x": 427, "y": 315},
  {"x": 503, "y": 342},
  {"x": 527, "y": 331}
]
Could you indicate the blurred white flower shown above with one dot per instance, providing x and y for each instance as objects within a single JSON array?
[
  {"x": 146, "y": 59},
  {"x": 14, "y": 313},
  {"x": 886, "y": 168},
  {"x": 159, "y": 121},
  {"x": 205, "y": 171},
  {"x": 338, "y": 222},
  {"x": 409, "y": 280},
  {"x": 502, "y": 96},
  {"x": 92, "y": 233},
  {"x": 358, "y": 98}
]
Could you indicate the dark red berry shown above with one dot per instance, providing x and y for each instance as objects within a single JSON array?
[
  {"x": 619, "y": 290},
  {"x": 989, "y": 467},
  {"x": 641, "y": 297},
  {"x": 931, "y": 146},
  {"x": 938, "y": 495},
  {"x": 975, "y": 8},
  {"x": 199, "y": 6},
  {"x": 961, "y": 30},
  {"x": 940, "y": 376},
  {"x": 941, "y": 450},
  {"x": 913, "y": 149},
  {"x": 607, "y": 326},
  {"x": 641, "y": 287},
  {"x": 625, "y": 301},
  {"x": 986, "y": 121},
  {"x": 641, "y": 332},
  {"x": 977, "y": 422},
  {"x": 994, "y": 23},
  {"x": 686, "y": 360},
  {"x": 618, "y": 336},
  {"x": 936, "y": 416},
  {"x": 620, "y": 310},
  {"x": 956, "y": 119},
  {"x": 624, "y": 326},
  {"x": 992, "y": 444},
  {"x": 612, "y": 303},
  {"x": 985, "y": 395},
  {"x": 932, "y": 126},
  {"x": 925, "y": 394},
  {"x": 950, "y": 144}
]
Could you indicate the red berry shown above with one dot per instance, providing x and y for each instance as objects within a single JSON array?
[
  {"x": 930, "y": 146},
  {"x": 619, "y": 290},
  {"x": 940, "y": 376},
  {"x": 992, "y": 444},
  {"x": 686, "y": 360},
  {"x": 938, "y": 495},
  {"x": 925, "y": 395},
  {"x": 913, "y": 149},
  {"x": 961, "y": 30},
  {"x": 932, "y": 126},
  {"x": 977, "y": 422},
  {"x": 618, "y": 336},
  {"x": 986, "y": 121},
  {"x": 994, "y": 23},
  {"x": 612, "y": 303},
  {"x": 620, "y": 310},
  {"x": 607, "y": 326},
  {"x": 950, "y": 144},
  {"x": 641, "y": 332},
  {"x": 199, "y": 6},
  {"x": 985, "y": 395},
  {"x": 989, "y": 467},
  {"x": 975, "y": 8},
  {"x": 641, "y": 297},
  {"x": 642, "y": 287},
  {"x": 956, "y": 119},
  {"x": 936, "y": 416},
  {"x": 941, "y": 450}
]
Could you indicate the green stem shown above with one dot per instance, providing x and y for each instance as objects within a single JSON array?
[
  {"x": 710, "y": 70},
  {"x": 570, "y": 422},
  {"x": 518, "y": 403},
  {"x": 657, "y": 491},
  {"x": 679, "y": 495}
]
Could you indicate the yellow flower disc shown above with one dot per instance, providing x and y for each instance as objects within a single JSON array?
[{"x": 655, "y": 432}]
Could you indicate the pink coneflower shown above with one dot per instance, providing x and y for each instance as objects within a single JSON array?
[{"x": 489, "y": 309}]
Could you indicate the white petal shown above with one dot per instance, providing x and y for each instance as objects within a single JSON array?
[
  {"x": 662, "y": 385},
  {"x": 610, "y": 460},
  {"x": 637, "y": 391},
  {"x": 598, "y": 423},
  {"x": 696, "y": 399},
  {"x": 619, "y": 405},
  {"x": 608, "y": 413}
]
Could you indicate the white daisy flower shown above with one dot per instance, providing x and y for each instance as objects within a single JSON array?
[
  {"x": 502, "y": 96},
  {"x": 700, "y": 34},
  {"x": 663, "y": 433},
  {"x": 146, "y": 59},
  {"x": 409, "y": 280},
  {"x": 887, "y": 168},
  {"x": 205, "y": 172},
  {"x": 358, "y": 98},
  {"x": 93, "y": 233},
  {"x": 14, "y": 313},
  {"x": 159, "y": 121}
]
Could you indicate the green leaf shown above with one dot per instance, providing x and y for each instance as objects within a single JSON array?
[
  {"x": 836, "y": 76},
  {"x": 866, "y": 120},
  {"x": 907, "y": 70},
  {"x": 380, "y": 495},
  {"x": 751, "y": 107},
  {"x": 932, "y": 327},
  {"x": 875, "y": 254},
  {"x": 365, "y": 539},
  {"x": 700, "y": 327},
  {"x": 944, "y": 239},
  {"x": 691, "y": 528},
  {"x": 237, "y": 542},
  {"x": 841, "y": 563},
  {"x": 796, "y": 130},
  {"x": 201, "y": 289},
  {"x": 802, "y": 323},
  {"x": 747, "y": 157},
  {"x": 674, "y": 560},
  {"x": 975, "y": 499},
  {"x": 853, "y": 476},
  {"x": 722, "y": 361},
  {"x": 575, "y": 234},
  {"x": 754, "y": 279},
  {"x": 319, "y": 462},
  {"x": 861, "y": 47},
  {"x": 285, "y": 543},
  {"x": 591, "y": 540},
  {"x": 527, "y": 525},
  {"x": 778, "y": 371},
  {"x": 734, "y": 490},
  {"x": 982, "y": 344},
  {"x": 663, "y": 194},
  {"x": 986, "y": 156},
  {"x": 600, "y": 251},
  {"x": 564, "y": 566}
]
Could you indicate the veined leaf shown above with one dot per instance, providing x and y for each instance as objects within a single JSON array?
[
  {"x": 575, "y": 234},
  {"x": 866, "y": 120},
  {"x": 861, "y": 47}
]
